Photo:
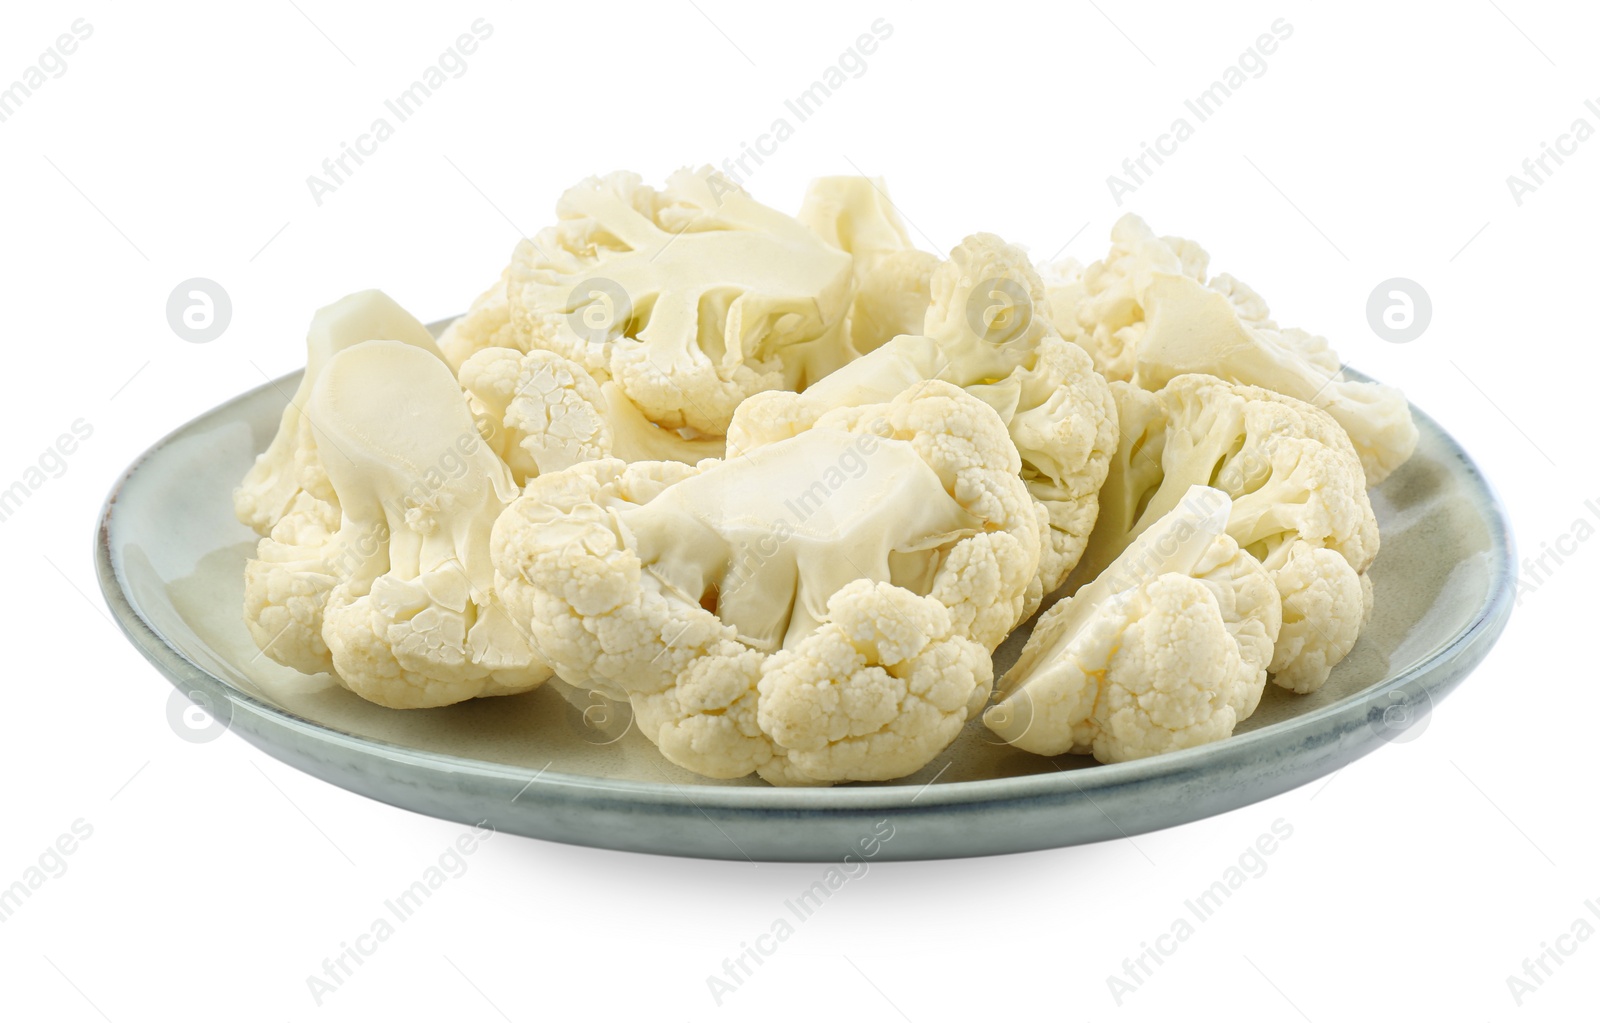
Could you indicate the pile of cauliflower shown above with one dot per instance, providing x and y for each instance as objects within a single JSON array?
[{"x": 783, "y": 484}]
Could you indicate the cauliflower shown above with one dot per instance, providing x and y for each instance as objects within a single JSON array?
[
  {"x": 1225, "y": 332},
  {"x": 1101, "y": 308},
  {"x": 290, "y": 469},
  {"x": 839, "y": 589},
  {"x": 1167, "y": 649},
  {"x": 543, "y": 412},
  {"x": 689, "y": 299},
  {"x": 981, "y": 334},
  {"x": 891, "y": 278},
  {"x": 485, "y": 324},
  {"x": 415, "y": 622},
  {"x": 1300, "y": 503}
]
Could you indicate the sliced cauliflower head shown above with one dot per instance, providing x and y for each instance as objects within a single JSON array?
[
  {"x": 689, "y": 299},
  {"x": 543, "y": 412},
  {"x": 290, "y": 465},
  {"x": 891, "y": 278},
  {"x": 1102, "y": 310},
  {"x": 1227, "y": 333},
  {"x": 704, "y": 593},
  {"x": 983, "y": 335},
  {"x": 1296, "y": 486},
  {"x": 1167, "y": 649},
  {"x": 417, "y": 623}
]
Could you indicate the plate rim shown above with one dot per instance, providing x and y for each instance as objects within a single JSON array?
[{"x": 1466, "y": 647}]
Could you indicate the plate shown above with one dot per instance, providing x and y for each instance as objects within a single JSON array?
[{"x": 566, "y": 765}]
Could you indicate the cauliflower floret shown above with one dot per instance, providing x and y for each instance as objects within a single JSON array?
[
  {"x": 485, "y": 324},
  {"x": 415, "y": 623},
  {"x": 291, "y": 466},
  {"x": 875, "y": 693},
  {"x": 1102, "y": 309},
  {"x": 1195, "y": 329},
  {"x": 679, "y": 586},
  {"x": 690, "y": 299},
  {"x": 982, "y": 334},
  {"x": 1295, "y": 481},
  {"x": 1167, "y": 649},
  {"x": 1325, "y": 607},
  {"x": 891, "y": 278},
  {"x": 287, "y": 583},
  {"x": 543, "y": 412}
]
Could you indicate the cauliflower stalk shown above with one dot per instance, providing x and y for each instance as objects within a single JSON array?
[
  {"x": 689, "y": 299},
  {"x": 891, "y": 278},
  {"x": 981, "y": 333},
  {"x": 1101, "y": 308},
  {"x": 1300, "y": 503},
  {"x": 1166, "y": 649},
  {"x": 1146, "y": 313},
  {"x": 289, "y": 474},
  {"x": 412, "y": 619},
  {"x": 819, "y": 610},
  {"x": 1195, "y": 329}
]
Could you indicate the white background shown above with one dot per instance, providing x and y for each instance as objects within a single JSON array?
[{"x": 1377, "y": 144}]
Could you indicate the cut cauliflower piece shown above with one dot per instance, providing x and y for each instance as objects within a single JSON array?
[
  {"x": 1101, "y": 308},
  {"x": 983, "y": 335},
  {"x": 689, "y": 299},
  {"x": 1194, "y": 329},
  {"x": 290, "y": 466},
  {"x": 1166, "y": 649},
  {"x": 891, "y": 277},
  {"x": 1297, "y": 488},
  {"x": 681, "y": 587},
  {"x": 287, "y": 583},
  {"x": 485, "y": 324},
  {"x": 875, "y": 693},
  {"x": 417, "y": 623},
  {"x": 543, "y": 412}
]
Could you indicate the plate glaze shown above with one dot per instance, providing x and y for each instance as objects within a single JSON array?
[{"x": 565, "y": 765}]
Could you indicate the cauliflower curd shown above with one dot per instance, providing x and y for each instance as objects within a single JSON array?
[{"x": 783, "y": 484}]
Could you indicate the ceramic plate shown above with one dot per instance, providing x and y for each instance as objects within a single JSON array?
[{"x": 566, "y": 765}]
